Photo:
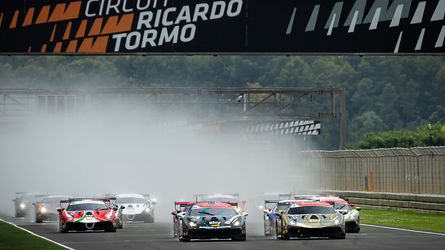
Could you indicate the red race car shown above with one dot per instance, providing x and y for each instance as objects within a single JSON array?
[
  {"x": 83, "y": 214},
  {"x": 181, "y": 207}
]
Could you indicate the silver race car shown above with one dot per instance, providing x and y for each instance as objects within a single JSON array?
[
  {"x": 310, "y": 219},
  {"x": 137, "y": 207}
]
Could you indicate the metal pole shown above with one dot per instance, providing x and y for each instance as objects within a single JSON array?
[{"x": 342, "y": 114}]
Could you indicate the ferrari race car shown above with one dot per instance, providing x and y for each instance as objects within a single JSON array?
[
  {"x": 138, "y": 207},
  {"x": 232, "y": 199},
  {"x": 351, "y": 213},
  {"x": 271, "y": 207},
  {"x": 46, "y": 207},
  {"x": 181, "y": 208},
  {"x": 84, "y": 214},
  {"x": 310, "y": 219},
  {"x": 23, "y": 203},
  {"x": 213, "y": 221}
]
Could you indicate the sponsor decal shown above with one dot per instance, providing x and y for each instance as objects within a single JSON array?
[{"x": 222, "y": 26}]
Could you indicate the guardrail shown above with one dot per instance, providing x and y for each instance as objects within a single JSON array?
[
  {"x": 421, "y": 202},
  {"x": 397, "y": 170}
]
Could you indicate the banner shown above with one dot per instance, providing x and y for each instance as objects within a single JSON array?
[{"x": 222, "y": 26}]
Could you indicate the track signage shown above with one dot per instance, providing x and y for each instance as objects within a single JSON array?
[{"x": 222, "y": 26}]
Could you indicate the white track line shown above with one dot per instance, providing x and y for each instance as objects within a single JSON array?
[
  {"x": 402, "y": 229},
  {"x": 26, "y": 230}
]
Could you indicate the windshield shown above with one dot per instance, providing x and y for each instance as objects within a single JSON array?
[
  {"x": 211, "y": 211},
  {"x": 126, "y": 200},
  {"x": 311, "y": 210},
  {"x": 339, "y": 206},
  {"x": 87, "y": 206},
  {"x": 283, "y": 206}
]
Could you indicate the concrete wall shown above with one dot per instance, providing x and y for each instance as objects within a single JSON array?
[
  {"x": 397, "y": 170},
  {"x": 421, "y": 202}
]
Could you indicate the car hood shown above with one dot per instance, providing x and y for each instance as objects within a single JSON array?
[
  {"x": 213, "y": 220},
  {"x": 315, "y": 220},
  {"x": 133, "y": 208},
  {"x": 88, "y": 216}
]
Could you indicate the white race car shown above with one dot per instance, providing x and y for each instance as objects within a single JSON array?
[{"x": 138, "y": 207}]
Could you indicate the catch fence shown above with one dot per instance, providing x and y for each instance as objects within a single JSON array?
[{"x": 397, "y": 170}]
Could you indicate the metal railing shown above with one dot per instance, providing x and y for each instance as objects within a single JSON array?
[{"x": 397, "y": 170}]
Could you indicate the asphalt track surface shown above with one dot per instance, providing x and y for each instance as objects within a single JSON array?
[{"x": 158, "y": 236}]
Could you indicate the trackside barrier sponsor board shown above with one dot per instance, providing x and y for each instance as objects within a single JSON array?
[{"x": 222, "y": 26}]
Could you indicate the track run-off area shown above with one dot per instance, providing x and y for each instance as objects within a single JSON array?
[{"x": 159, "y": 236}]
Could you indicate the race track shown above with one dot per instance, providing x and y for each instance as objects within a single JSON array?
[{"x": 158, "y": 236}]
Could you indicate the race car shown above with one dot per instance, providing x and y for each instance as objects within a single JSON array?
[
  {"x": 84, "y": 214},
  {"x": 46, "y": 207},
  {"x": 232, "y": 199},
  {"x": 23, "y": 203},
  {"x": 138, "y": 207},
  {"x": 181, "y": 208},
  {"x": 213, "y": 221},
  {"x": 270, "y": 213},
  {"x": 310, "y": 219},
  {"x": 119, "y": 216},
  {"x": 351, "y": 213}
]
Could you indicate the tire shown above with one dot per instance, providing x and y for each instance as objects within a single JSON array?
[
  {"x": 111, "y": 230},
  {"x": 355, "y": 230},
  {"x": 184, "y": 239},
  {"x": 149, "y": 219},
  {"x": 38, "y": 221},
  {"x": 241, "y": 238},
  {"x": 277, "y": 235},
  {"x": 284, "y": 237}
]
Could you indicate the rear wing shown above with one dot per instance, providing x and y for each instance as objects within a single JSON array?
[
  {"x": 182, "y": 206},
  {"x": 110, "y": 200},
  {"x": 216, "y": 197},
  {"x": 267, "y": 203}
]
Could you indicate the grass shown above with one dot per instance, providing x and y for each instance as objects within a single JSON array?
[
  {"x": 14, "y": 238},
  {"x": 431, "y": 222}
]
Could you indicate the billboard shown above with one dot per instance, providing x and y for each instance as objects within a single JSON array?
[{"x": 222, "y": 26}]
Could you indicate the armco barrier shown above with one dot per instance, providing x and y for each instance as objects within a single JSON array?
[
  {"x": 397, "y": 170},
  {"x": 421, "y": 202}
]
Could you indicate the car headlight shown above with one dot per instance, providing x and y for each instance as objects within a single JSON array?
[
  {"x": 22, "y": 205},
  {"x": 43, "y": 210},
  {"x": 108, "y": 215},
  {"x": 147, "y": 210},
  {"x": 337, "y": 222},
  {"x": 192, "y": 224},
  {"x": 236, "y": 223}
]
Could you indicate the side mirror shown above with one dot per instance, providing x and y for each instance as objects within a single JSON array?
[
  {"x": 282, "y": 211},
  {"x": 278, "y": 214},
  {"x": 174, "y": 213},
  {"x": 115, "y": 209},
  {"x": 122, "y": 207},
  {"x": 60, "y": 210},
  {"x": 245, "y": 214},
  {"x": 358, "y": 208}
]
